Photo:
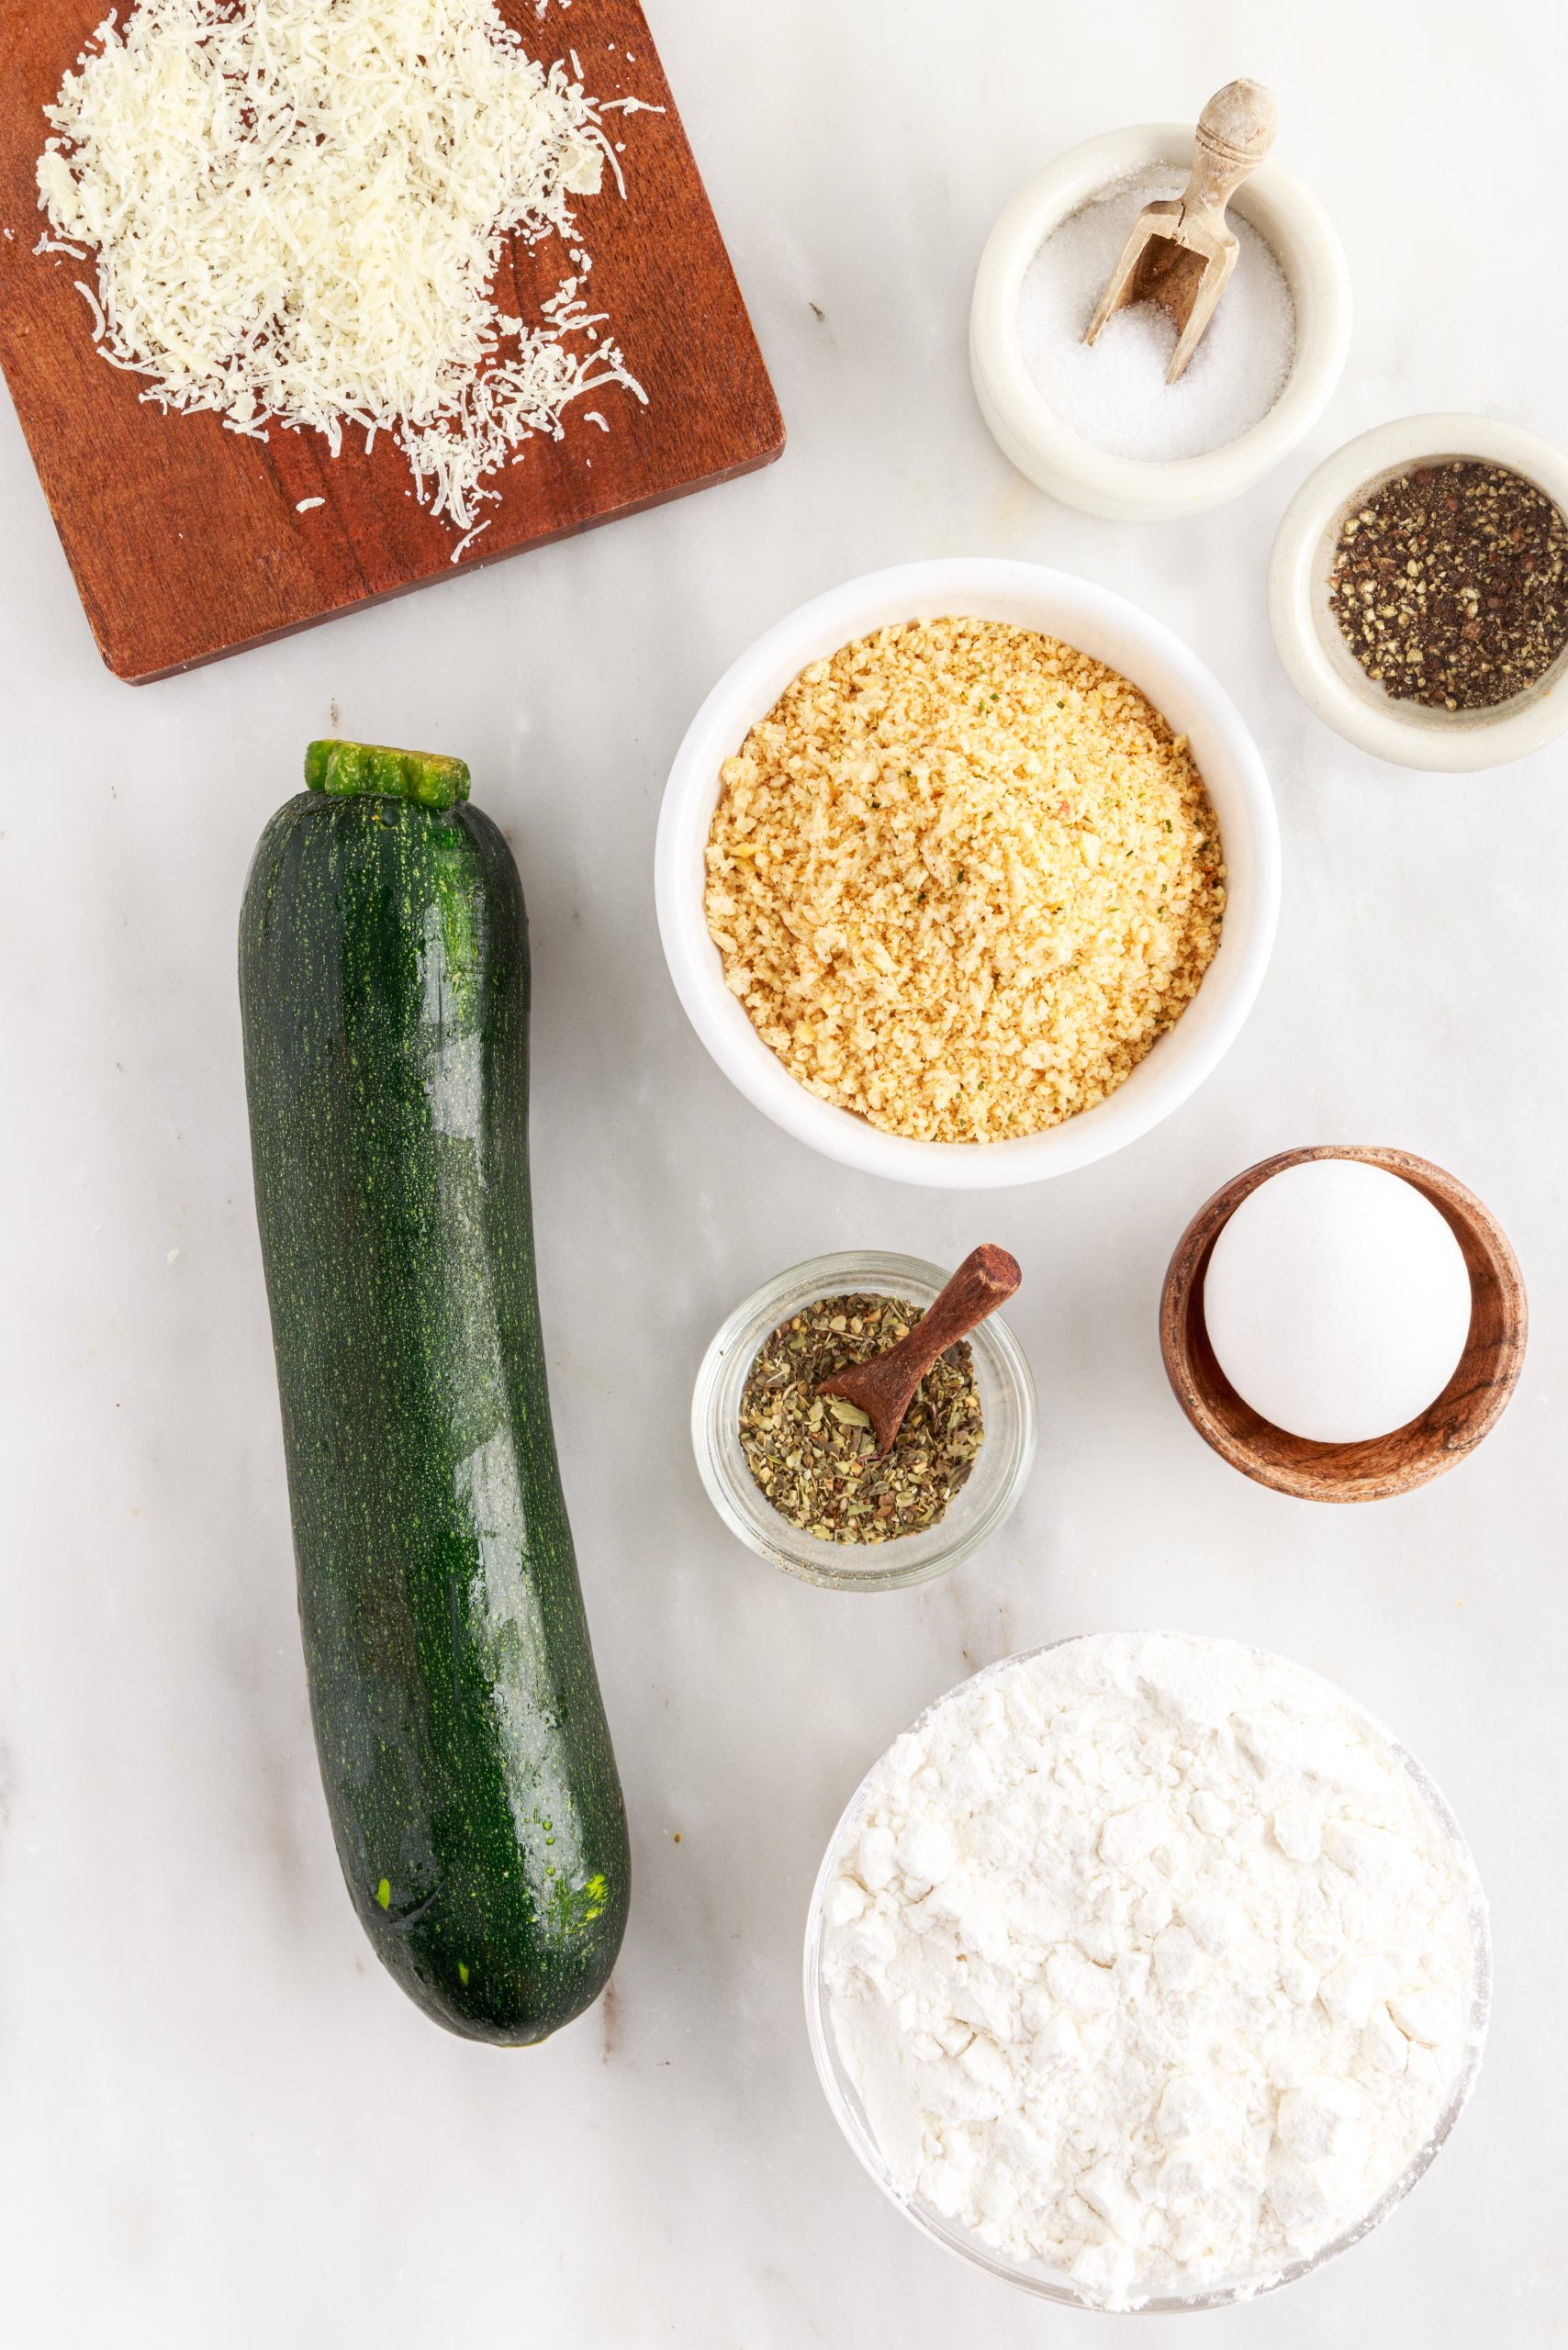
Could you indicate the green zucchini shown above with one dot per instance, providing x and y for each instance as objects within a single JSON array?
[{"x": 384, "y": 983}]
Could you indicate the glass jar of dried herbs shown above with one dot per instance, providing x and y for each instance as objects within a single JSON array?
[{"x": 813, "y": 1457}]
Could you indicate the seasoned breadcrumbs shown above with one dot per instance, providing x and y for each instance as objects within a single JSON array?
[{"x": 963, "y": 878}]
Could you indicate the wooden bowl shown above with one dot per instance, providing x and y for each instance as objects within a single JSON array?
[{"x": 1468, "y": 1409}]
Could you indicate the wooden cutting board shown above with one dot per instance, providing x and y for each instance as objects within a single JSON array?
[{"x": 183, "y": 537}]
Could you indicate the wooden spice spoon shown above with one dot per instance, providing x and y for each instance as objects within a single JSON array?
[
  {"x": 884, "y": 1387},
  {"x": 1180, "y": 252}
]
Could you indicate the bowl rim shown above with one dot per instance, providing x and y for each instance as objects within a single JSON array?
[
  {"x": 1031, "y": 595},
  {"x": 918, "y": 1559},
  {"x": 1049, "y": 2287},
  {"x": 1292, "y": 222},
  {"x": 1315, "y": 659}
]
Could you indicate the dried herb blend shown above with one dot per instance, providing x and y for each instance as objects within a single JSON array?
[
  {"x": 814, "y": 1458},
  {"x": 1451, "y": 585}
]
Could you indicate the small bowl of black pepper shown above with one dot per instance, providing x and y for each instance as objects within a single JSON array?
[
  {"x": 797, "y": 1475},
  {"x": 1419, "y": 592}
]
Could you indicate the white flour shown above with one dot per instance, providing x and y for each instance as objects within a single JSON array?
[{"x": 1151, "y": 1961}]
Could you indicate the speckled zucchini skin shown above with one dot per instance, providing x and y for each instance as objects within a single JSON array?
[{"x": 384, "y": 982}]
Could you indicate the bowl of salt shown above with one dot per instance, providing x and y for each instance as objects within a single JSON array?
[{"x": 1098, "y": 425}]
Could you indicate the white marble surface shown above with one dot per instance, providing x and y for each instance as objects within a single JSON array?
[{"x": 219, "y": 2123}]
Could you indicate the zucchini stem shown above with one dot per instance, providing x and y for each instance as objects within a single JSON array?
[{"x": 427, "y": 777}]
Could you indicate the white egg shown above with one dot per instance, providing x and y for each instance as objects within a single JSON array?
[{"x": 1338, "y": 1302}]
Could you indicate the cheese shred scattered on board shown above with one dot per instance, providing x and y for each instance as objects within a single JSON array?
[{"x": 298, "y": 209}]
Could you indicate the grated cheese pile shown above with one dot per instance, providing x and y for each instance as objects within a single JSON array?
[{"x": 299, "y": 207}]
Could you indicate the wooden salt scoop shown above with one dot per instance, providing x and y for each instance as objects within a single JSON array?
[
  {"x": 884, "y": 1387},
  {"x": 1180, "y": 252}
]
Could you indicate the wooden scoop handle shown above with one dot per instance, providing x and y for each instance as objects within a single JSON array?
[
  {"x": 884, "y": 1387},
  {"x": 1235, "y": 130}
]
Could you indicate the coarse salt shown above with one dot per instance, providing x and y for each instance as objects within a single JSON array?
[{"x": 1113, "y": 394}]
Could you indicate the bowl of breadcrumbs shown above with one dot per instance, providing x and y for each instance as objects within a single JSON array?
[{"x": 968, "y": 873}]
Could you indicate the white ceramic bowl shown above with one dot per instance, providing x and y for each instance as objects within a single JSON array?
[
  {"x": 1285, "y": 214},
  {"x": 1034, "y": 2276},
  {"x": 1320, "y": 664},
  {"x": 1100, "y": 623}
]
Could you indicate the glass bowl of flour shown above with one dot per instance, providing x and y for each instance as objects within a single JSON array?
[{"x": 1147, "y": 1972}]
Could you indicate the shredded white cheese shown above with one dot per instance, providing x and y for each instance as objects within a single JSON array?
[
  {"x": 91, "y": 301},
  {"x": 299, "y": 207}
]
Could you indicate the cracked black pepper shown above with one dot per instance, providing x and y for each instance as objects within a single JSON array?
[
  {"x": 1451, "y": 585},
  {"x": 813, "y": 1457}
]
